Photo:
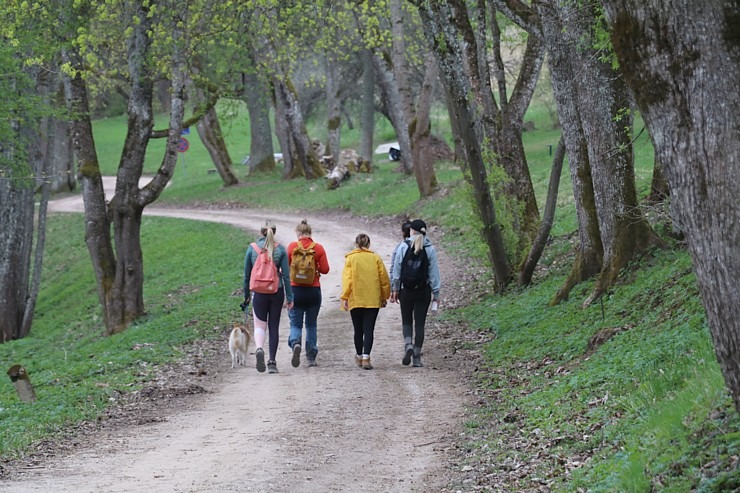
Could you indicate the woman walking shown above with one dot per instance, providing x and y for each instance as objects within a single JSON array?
[
  {"x": 365, "y": 289},
  {"x": 415, "y": 283},
  {"x": 308, "y": 262},
  {"x": 269, "y": 286}
]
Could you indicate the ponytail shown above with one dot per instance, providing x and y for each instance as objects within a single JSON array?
[
  {"x": 418, "y": 243},
  {"x": 268, "y": 231}
]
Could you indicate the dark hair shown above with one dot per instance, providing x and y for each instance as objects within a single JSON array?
[
  {"x": 406, "y": 229},
  {"x": 362, "y": 241}
]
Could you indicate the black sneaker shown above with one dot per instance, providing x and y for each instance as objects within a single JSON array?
[
  {"x": 312, "y": 362},
  {"x": 407, "y": 357},
  {"x": 296, "y": 361},
  {"x": 260, "y": 354},
  {"x": 272, "y": 367}
]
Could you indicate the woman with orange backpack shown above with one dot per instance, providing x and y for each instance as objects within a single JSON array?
[
  {"x": 267, "y": 278},
  {"x": 307, "y": 263}
]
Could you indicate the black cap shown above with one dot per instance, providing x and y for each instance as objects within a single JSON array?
[{"x": 419, "y": 225}]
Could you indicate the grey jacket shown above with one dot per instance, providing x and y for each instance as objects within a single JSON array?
[{"x": 433, "y": 277}]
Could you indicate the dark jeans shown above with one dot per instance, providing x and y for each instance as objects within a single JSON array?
[
  {"x": 414, "y": 306},
  {"x": 363, "y": 320},
  {"x": 306, "y": 306},
  {"x": 268, "y": 307}
]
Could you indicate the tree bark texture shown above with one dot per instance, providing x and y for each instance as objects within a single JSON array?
[
  {"x": 612, "y": 229},
  {"x": 333, "y": 110},
  {"x": 256, "y": 95},
  {"x": 421, "y": 128},
  {"x": 682, "y": 61},
  {"x": 120, "y": 273},
  {"x": 62, "y": 159},
  {"x": 603, "y": 97},
  {"x": 389, "y": 89},
  {"x": 659, "y": 190},
  {"x": 501, "y": 120},
  {"x": 305, "y": 161},
  {"x": 16, "y": 224},
  {"x": 398, "y": 55},
  {"x": 509, "y": 122},
  {"x": 209, "y": 131},
  {"x": 548, "y": 216},
  {"x": 563, "y": 71},
  {"x": 24, "y": 170},
  {"x": 465, "y": 115},
  {"x": 367, "y": 104}
]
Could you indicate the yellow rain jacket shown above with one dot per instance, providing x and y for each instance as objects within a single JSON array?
[{"x": 365, "y": 282}]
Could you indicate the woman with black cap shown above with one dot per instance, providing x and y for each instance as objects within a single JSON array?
[{"x": 415, "y": 283}]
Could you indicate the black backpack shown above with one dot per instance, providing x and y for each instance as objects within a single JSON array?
[{"x": 414, "y": 268}]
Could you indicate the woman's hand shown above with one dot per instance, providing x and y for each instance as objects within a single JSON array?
[
  {"x": 289, "y": 305},
  {"x": 394, "y": 297},
  {"x": 345, "y": 305}
]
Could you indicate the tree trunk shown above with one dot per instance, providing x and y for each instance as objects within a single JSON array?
[
  {"x": 400, "y": 64},
  {"x": 421, "y": 127},
  {"x": 508, "y": 143},
  {"x": 285, "y": 140},
  {"x": 23, "y": 169},
  {"x": 389, "y": 89},
  {"x": 305, "y": 161},
  {"x": 602, "y": 98},
  {"x": 333, "y": 114},
  {"x": 538, "y": 245},
  {"x": 162, "y": 88},
  {"x": 61, "y": 157},
  {"x": 658, "y": 185},
  {"x": 435, "y": 17},
  {"x": 120, "y": 273},
  {"x": 367, "y": 111},
  {"x": 209, "y": 131},
  {"x": 16, "y": 224},
  {"x": 261, "y": 150},
  {"x": 682, "y": 65},
  {"x": 97, "y": 223}
]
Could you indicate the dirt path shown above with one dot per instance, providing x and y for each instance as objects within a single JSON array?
[{"x": 331, "y": 428}]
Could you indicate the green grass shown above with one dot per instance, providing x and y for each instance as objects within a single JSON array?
[
  {"x": 641, "y": 404},
  {"x": 645, "y": 411},
  {"x": 76, "y": 371}
]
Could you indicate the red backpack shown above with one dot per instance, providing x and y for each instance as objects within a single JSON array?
[{"x": 264, "y": 277}]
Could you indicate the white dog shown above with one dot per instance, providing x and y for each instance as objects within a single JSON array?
[{"x": 238, "y": 344}]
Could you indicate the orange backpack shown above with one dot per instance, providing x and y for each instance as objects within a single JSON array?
[
  {"x": 264, "y": 277},
  {"x": 303, "y": 264}
]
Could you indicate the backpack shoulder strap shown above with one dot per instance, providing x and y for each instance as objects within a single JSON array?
[{"x": 256, "y": 248}]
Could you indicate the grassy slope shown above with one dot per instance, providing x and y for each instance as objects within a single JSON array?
[{"x": 648, "y": 404}]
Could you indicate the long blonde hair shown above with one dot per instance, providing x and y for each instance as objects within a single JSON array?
[
  {"x": 418, "y": 243},
  {"x": 268, "y": 231}
]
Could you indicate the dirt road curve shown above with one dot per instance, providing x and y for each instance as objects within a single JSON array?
[{"x": 333, "y": 428}]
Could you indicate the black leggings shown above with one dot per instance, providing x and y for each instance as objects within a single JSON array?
[
  {"x": 269, "y": 307},
  {"x": 414, "y": 306},
  {"x": 363, "y": 320}
]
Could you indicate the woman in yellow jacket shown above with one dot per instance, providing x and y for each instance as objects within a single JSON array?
[{"x": 365, "y": 289}]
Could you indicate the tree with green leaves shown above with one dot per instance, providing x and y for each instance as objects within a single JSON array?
[
  {"x": 26, "y": 120},
  {"x": 464, "y": 38},
  {"x": 157, "y": 40}
]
